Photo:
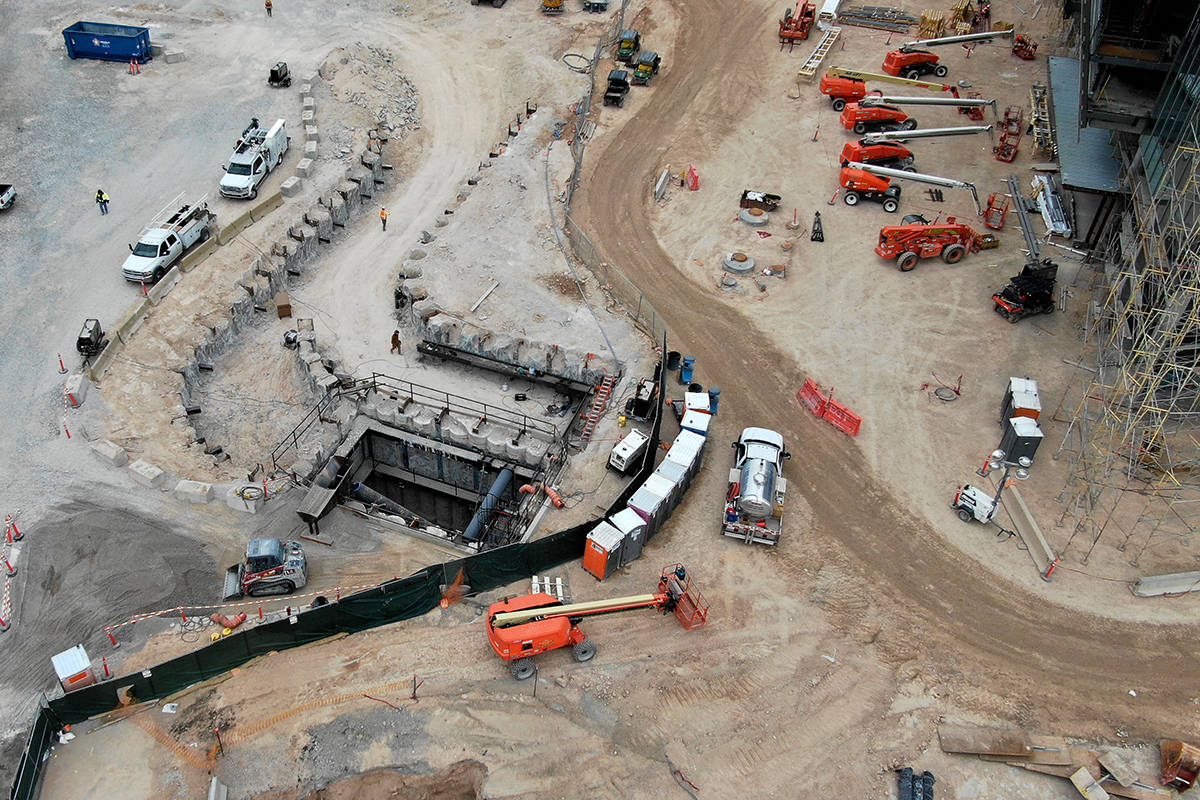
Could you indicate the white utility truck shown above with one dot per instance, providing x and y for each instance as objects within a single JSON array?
[
  {"x": 755, "y": 499},
  {"x": 166, "y": 238},
  {"x": 256, "y": 152}
]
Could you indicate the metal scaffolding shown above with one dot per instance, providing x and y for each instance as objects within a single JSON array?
[{"x": 1134, "y": 435}]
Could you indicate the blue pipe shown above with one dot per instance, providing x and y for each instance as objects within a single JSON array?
[{"x": 475, "y": 530}]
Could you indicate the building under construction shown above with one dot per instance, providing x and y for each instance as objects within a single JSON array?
[{"x": 1134, "y": 412}]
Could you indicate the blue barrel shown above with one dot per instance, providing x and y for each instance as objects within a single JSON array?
[
  {"x": 108, "y": 42},
  {"x": 714, "y": 395},
  {"x": 685, "y": 369}
]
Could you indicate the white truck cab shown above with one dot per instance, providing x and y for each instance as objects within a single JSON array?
[
  {"x": 165, "y": 239},
  {"x": 255, "y": 154}
]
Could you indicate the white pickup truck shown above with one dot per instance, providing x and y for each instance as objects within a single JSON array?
[
  {"x": 256, "y": 152},
  {"x": 167, "y": 238},
  {"x": 8, "y": 196}
]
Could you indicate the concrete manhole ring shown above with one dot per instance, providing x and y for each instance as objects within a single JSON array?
[
  {"x": 754, "y": 217},
  {"x": 945, "y": 393},
  {"x": 739, "y": 263}
]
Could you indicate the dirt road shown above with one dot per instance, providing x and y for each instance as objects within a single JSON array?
[{"x": 1000, "y": 650}]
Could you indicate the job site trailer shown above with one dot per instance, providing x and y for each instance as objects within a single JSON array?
[{"x": 108, "y": 42}]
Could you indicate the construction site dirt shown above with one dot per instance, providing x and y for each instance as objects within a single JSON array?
[{"x": 879, "y": 615}]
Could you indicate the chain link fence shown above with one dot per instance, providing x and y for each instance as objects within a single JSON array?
[{"x": 624, "y": 296}]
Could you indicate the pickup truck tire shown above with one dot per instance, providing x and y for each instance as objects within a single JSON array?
[
  {"x": 254, "y": 193},
  {"x": 157, "y": 276}
]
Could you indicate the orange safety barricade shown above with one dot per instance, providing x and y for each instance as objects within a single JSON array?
[
  {"x": 810, "y": 396},
  {"x": 824, "y": 406},
  {"x": 842, "y": 418},
  {"x": 693, "y": 178}
]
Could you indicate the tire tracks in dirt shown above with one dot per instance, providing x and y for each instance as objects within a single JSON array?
[{"x": 971, "y": 625}]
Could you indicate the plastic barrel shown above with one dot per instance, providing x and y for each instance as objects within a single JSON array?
[
  {"x": 714, "y": 395},
  {"x": 672, "y": 360}
]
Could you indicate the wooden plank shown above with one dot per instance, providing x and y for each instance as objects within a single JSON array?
[
  {"x": 1087, "y": 785},
  {"x": 980, "y": 741},
  {"x": 1053, "y": 750},
  {"x": 1138, "y": 791},
  {"x": 1120, "y": 766}
]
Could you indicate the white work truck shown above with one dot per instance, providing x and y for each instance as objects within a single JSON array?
[
  {"x": 256, "y": 152},
  {"x": 755, "y": 498},
  {"x": 166, "y": 238}
]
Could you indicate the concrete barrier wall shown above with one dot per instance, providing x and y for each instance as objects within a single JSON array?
[
  {"x": 239, "y": 224},
  {"x": 197, "y": 254},
  {"x": 265, "y": 207},
  {"x": 160, "y": 289}
]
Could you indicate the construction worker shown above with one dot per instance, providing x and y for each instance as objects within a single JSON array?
[
  {"x": 102, "y": 201},
  {"x": 396, "y": 348},
  {"x": 267, "y": 5},
  {"x": 383, "y": 215}
]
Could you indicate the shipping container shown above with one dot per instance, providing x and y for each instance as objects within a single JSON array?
[{"x": 108, "y": 42}]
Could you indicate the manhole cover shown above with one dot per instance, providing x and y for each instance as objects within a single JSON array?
[{"x": 945, "y": 393}]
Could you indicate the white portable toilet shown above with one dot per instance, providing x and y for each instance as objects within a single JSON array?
[
  {"x": 696, "y": 421},
  {"x": 1021, "y": 400},
  {"x": 660, "y": 484},
  {"x": 675, "y": 472},
  {"x": 74, "y": 668},
  {"x": 633, "y": 527},
  {"x": 686, "y": 450},
  {"x": 697, "y": 401},
  {"x": 651, "y": 506}
]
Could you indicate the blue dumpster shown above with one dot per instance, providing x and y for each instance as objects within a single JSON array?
[{"x": 108, "y": 42}]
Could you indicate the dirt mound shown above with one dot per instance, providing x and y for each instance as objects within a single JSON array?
[{"x": 462, "y": 780}]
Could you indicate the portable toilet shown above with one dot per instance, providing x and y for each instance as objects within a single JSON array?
[
  {"x": 650, "y": 505},
  {"x": 1021, "y": 399},
  {"x": 633, "y": 528},
  {"x": 1021, "y": 438},
  {"x": 695, "y": 421},
  {"x": 675, "y": 472},
  {"x": 686, "y": 450},
  {"x": 74, "y": 668},
  {"x": 602, "y": 551},
  {"x": 697, "y": 401},
  {"x": 660, "y": 484}
]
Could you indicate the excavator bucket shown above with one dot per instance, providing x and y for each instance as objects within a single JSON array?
[{"x": 689, "y": 605}]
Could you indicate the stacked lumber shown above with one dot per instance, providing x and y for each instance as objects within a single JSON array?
[
  {"x": 1109, "y": 770},
  {"x": 932, "y": 24}
]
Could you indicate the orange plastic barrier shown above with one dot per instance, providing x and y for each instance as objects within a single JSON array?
[{"x": 827, "y": 408}]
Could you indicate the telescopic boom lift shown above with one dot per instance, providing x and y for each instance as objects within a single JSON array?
[
  {"x": 936, "y": 180},
  {"x": 911, "y": 61},
  {"x": 923, "y": 133},
  {"x": 850, "y": 85},
  {"x": 960, "y": 102}
]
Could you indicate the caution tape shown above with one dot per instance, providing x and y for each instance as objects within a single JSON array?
[{"x": 336, "y": 591}]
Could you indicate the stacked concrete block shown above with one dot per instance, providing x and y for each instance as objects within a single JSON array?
[
  {"x": 311, "y": 134},
  {"x": 291, "y": 187},
  {"x": 193, "y": 492},
  {"x": 304, "y": 168},
  {"x": 305, "y": 91},
  {"x": 111, "y": 452},
  {"x": 147, "y": 474},
  {"x": 310, "y": 149}
]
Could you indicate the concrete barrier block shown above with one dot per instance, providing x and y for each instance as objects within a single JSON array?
[
  {"x": 326, "y": 383},
  {"x": 164, "y": 286},
  {"x": 147, "y": 474},
  {"x": 310, "y": 150},
  {"x": 130, "y": 321},
  {"x": 305, "y": 91},
  {"x": 304, "y": 168},
  {"x": 157, "y": 50},
  {"x": 291, "y": 187},
  {"x": 193, "y": 492},
  {"x": 197, "y": 254},
  {"x": 308, "y": 104},
  {"x": 308, "y": 118},
  {"x": 111, "y": 452},
  {"x": 175, "y": 57},
  {"x": 245, "y": 497},
  {"x": 266, "y": 206},
  {"x": 311, "y": 133},
  {"x": 75, "y": 388}
]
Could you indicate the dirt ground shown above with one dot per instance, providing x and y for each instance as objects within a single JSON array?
[{"x": 828, "y": 661}]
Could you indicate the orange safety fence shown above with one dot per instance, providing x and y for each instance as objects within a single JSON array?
[{"x": 827, "y": 408}]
